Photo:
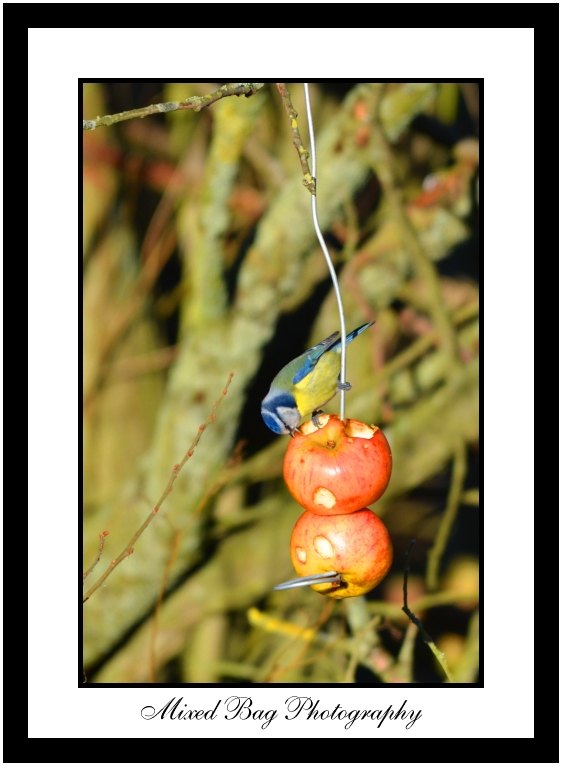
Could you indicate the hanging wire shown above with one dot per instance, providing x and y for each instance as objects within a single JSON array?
[{"x": 343, "y": 385}]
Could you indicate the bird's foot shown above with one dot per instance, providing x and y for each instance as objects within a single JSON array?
[{"x": 343, "y": 386}]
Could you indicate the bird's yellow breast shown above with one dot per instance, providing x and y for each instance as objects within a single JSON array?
[{"x": 317, "y": 388}]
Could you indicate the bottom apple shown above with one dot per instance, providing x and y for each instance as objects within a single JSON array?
[{"x": 355, "y": 545}]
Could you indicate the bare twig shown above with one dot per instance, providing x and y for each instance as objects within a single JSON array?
[
  {"x": 175, "y": 548},
  {"x": 95, "y": 562},
  {"x": 195, "y": 103},
  {"x": 439, "y": 656},
  {"x": 129, "y": 548},
  {"x": 308, "y": 179},
  {"x": 453, "y": 502}
]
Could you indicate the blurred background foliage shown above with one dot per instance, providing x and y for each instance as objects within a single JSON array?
[{"x": 200, "y": 259}]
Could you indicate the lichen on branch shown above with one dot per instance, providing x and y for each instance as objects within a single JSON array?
[{"x": 194, "y": 103}]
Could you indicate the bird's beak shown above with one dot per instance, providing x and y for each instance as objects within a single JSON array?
[{"x": 331, "y": 578}]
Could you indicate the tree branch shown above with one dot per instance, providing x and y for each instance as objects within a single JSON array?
[
  {"x": 438, "y": 654},
  {"x": 95, "y": 562},
  {"x": 451, "y": 509},
  {"x": 277, "y": 263},
  {"x": 195, "y": 103},
  {"x": 308, "y": 180},
  {"x": 129, "y": 548}
]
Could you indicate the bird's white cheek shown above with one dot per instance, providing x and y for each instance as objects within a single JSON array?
[{"x": 290, "y": 416}]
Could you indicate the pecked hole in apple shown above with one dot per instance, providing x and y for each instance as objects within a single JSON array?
[
  {"x": 324, "y": 498},
  {"x": 359, "y": 430},
  {"x": 323, "y": 547},
  {"x": 309, "y": 426},
  {"x": 357, "y": 544},
  {"x": 301, "y": 554},
  {"x": 332, "y": 471}
]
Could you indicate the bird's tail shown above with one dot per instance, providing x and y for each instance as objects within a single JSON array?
[{"x": 351, "y": 336}]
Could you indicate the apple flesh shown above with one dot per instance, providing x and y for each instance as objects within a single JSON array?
[
  {"x": 355, "y": 545},
  {"x": 337, "y": 468}
]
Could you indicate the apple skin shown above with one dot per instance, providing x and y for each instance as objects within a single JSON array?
[
  {"x": 338, "y": 468},
  {"x": 356, "y": 545}
]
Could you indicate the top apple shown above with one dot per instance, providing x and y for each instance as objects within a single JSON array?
[{"x": 339, "y": 467}]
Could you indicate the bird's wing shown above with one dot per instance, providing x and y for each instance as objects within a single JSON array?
[{"x": 312, "y": 355}]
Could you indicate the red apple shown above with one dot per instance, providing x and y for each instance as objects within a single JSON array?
[
  {"x": 355, "y": 545},
  {"x": 339, "y": 467}
]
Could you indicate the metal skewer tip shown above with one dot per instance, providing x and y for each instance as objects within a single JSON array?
[{"x": 326, "y": 578}]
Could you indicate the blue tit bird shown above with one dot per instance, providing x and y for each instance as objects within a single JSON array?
[{"x": 305, "y": 385}]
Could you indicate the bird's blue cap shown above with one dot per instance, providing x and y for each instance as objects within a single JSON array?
[{"x": 277, "y": 398}]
